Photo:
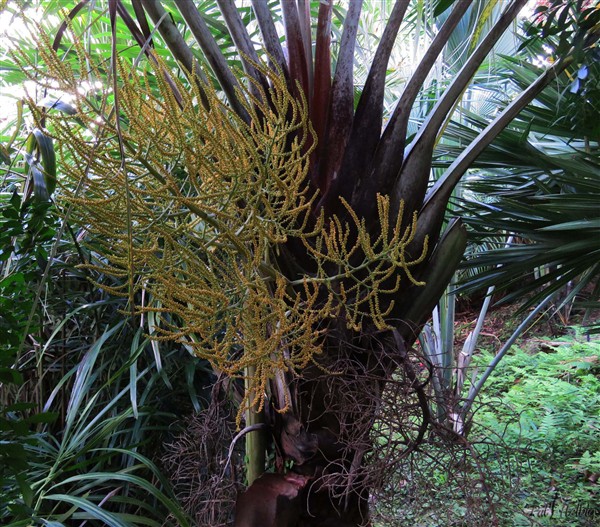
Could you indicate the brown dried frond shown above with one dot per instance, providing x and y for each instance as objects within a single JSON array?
[
  {"x": 195, "y": 461},
  {"x": 376, "y": 415}
]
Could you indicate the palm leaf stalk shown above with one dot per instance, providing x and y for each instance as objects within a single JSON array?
[
  {"x": 541, "y": 179},
  {"x": 313, "y": 250}
]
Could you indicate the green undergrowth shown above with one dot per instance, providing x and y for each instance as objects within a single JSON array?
[{"x": 544, "y": 410}]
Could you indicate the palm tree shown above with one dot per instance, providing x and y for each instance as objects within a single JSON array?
[
  {"x": 278, "y": 229},
  {"x": 545, "y": 191}
]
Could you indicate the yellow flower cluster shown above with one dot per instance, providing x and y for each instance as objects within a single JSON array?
[
  {"x": 361, "y": 271},
  {"x": 189, "y": 206}
]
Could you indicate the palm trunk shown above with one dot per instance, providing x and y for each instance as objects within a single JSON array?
[
  {"x": 328, "y": 436},
  {"x": 338, "y": 410}
]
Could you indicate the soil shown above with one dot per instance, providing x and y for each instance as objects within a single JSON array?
[{"x": 501, "y": 321}]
